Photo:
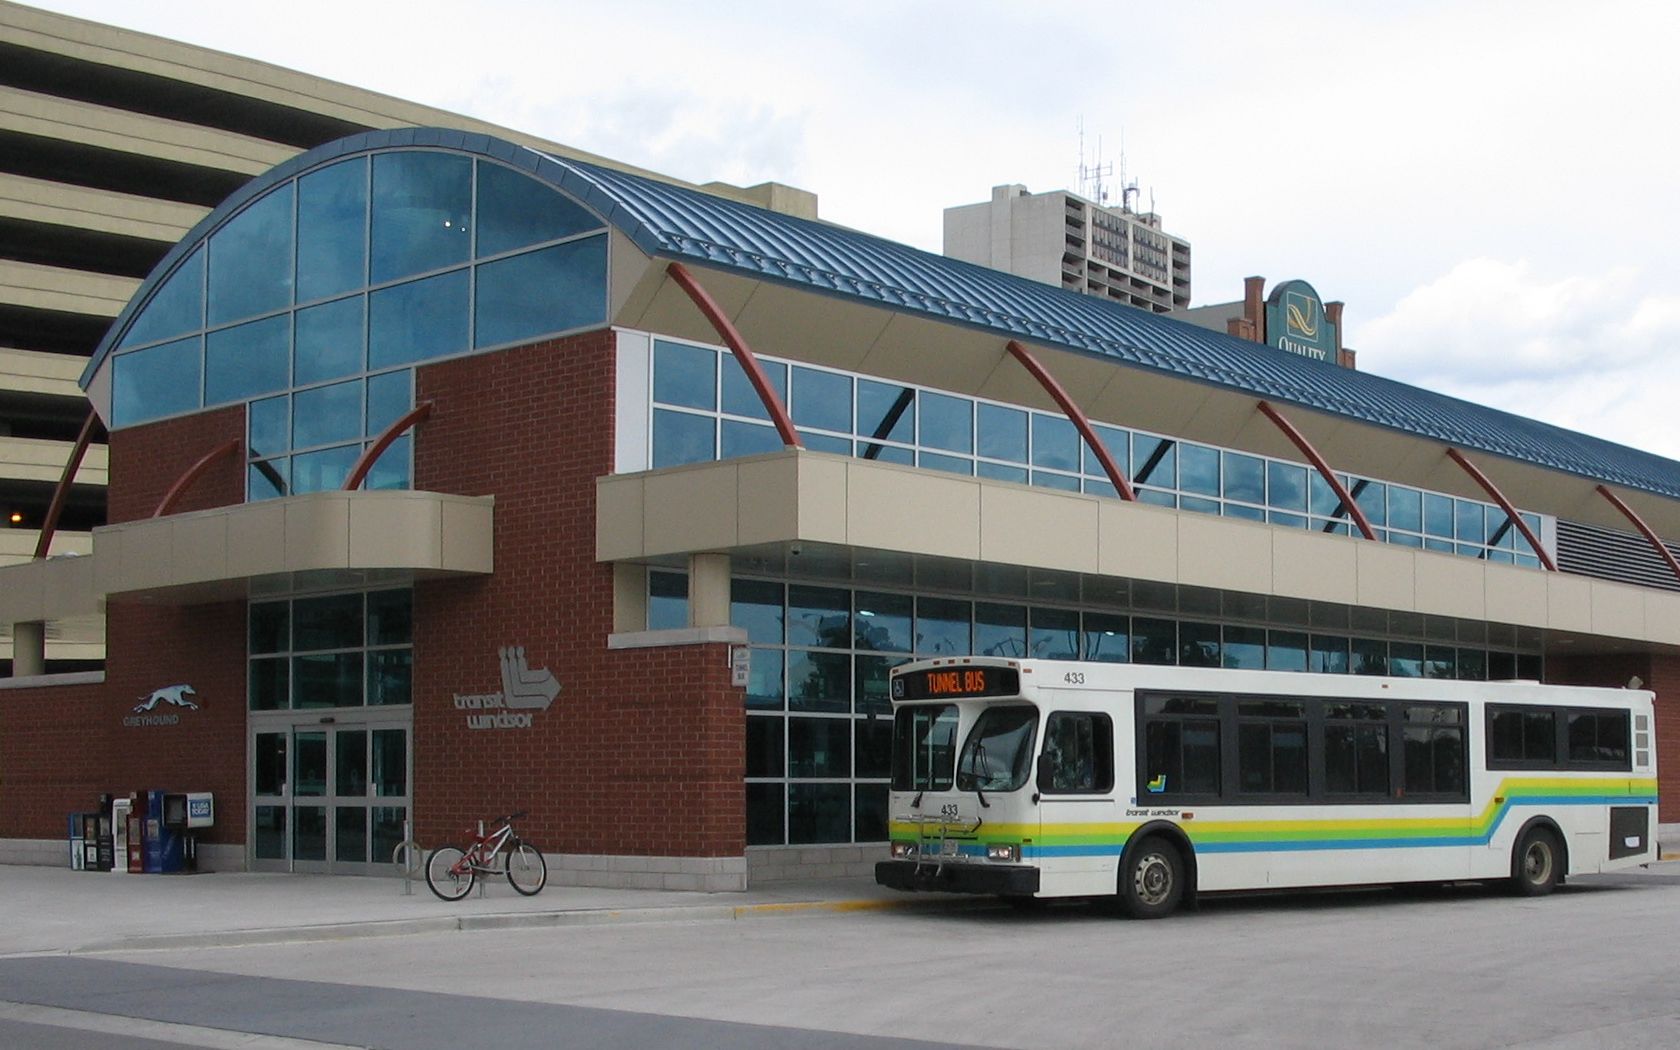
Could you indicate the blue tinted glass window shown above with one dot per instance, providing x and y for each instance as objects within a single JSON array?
[
  {"x": 684, "y": 375},
  {"x": 176, "y": 308},
  {"x": 332, "y": 230},
  {"x": 419, "y": 320},
  {"x": 251, "y": 260},
  {"x": 1055, "y": 443},
  {"x": 756, "y": 605},
  {"x": 1198, "y": 469},
  {"x": 1286, "y": 486},
  {"x": 326, "y": 414},
  {"x": 739, "y": 397},
  {"x": 1045, "y": 480},
  {"x": 1438, "y": 515},
  {"x": 1244, "y": 478},
  {"x": 886, "y": 412},
  {"x": 270, "y": 424},
  {"x": 1107, "y": 638},
  {"x": 947, "y": 422},
  {"x": 1321, "y": 498},
  {"x": 247, "y": 360},
  {"x": 390, "y": 470},
  {"x": 388, "y": 397},
  {"x": 269, "y": 479},
  {"x": 1405, "y": 508},
  {"x": 1372, "y": 499},
  {"x": 421, "y": 202},
  {"x": 1286, "y": 651},
  {"x": 1000, "y": 630},
  {"x": 1002, "y": 433},
  {"x": 544, "y": 291},
  {"x": 748, "y": 439},
  {"x": 949, "y": 464},
  {"x": 329, "y": 340},
  {"x": 883, "y": 622},
  {"x": 1055, "y": 634},
  {"x": 1116, "y": 442},
  {"x": 826, "y": 443},
  {"x": 1155, "y": 460},
  {"x": 159, "y": 381},
  {"x": 680, "y": 437},
  {"x": 1001, "y": 471},
  {"x": 325, "y": 470},
  {"x": 822, "y": 400},
  {"x": 514, "y": 210},
  {"x": 1472, "y": 522},
  {"x": 942, "y": 627},
  {"x": 1244, "y": 647}
]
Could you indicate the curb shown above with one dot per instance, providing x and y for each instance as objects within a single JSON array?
[{"x": 508, "y": 921}]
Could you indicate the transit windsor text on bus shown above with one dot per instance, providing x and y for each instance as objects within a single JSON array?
[{"x": 1033, "y": 778}]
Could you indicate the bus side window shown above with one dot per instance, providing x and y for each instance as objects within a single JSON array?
[{"x": 1079, "y": 752}]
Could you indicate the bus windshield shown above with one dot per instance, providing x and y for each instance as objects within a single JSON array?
[
  {"x": 998, "y": 753},
  {"x": 924, "y": 747}
]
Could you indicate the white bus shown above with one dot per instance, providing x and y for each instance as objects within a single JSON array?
[{"x": 1037, "y": 778}]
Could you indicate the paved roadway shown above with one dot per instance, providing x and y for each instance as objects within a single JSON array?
[{"x": 1593, "y": 965}]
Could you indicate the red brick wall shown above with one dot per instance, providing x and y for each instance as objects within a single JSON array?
[
  {"x": 642, "y": 752},
  {"x": 1661, "y": 675},
  {"x": 146, "y": 460},
  {"x": 61, "y": 747}
]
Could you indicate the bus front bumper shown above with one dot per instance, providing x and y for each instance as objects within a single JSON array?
[{"x": 1012, "y": 880}]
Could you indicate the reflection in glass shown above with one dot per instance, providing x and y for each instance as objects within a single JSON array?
[
  {"x": 682, "y": 437},
  {"x": 390, "y": 762},
  {"x": 421, "y": 202},
  {"x": 418, "y": 321},
  {"x": 175, "y": 308},
  {"x": 947, "y": 422},
  {"x": 267, "y": 685},
  {"x": 1000, "y": 630},
  {"x": 251, "y": 260},
  {"x": 667, "y": 601},
  {"x": 1107, "y": 638},
  {"x": 309, "y": 833},
  {"x": 515, "y": 210},
  {"x": 819, "y": 616},
  {"x": 1055, "y": 443},
  {"x": 327, "y": 680},
  {"x": 820, "y": 747},
  {"x": 1055, "y": 634},
  {"x": 765, "y": 753},
  {"x": 819, "y": 681},
  {"x": 1002, "y": 433},
  {"x": 326, "y": 414},
  {"x": 684, "y": 375},
  {"x": 332, "y": 230},
  {"x": 268, "y": 756},
  {"x": 885, "y": 413},
  {"x": 764, "y": 685},
  {"x": 756, "y": 605},
  {"x": 819, "y": 812},
  {"x": 271, "y": 833},
  {"x": 550, "y": 290},
  {"x": 330, "y": 339},
  {"x": 247, "y": 360},
  {"x": 350, "y": 835},
  {"x": 309, "y": 764},
  {"x": 822, "y": 400},
  {"x": 883, "y": 622},
  {"x": 942, "y": 627},
  {"x": 325, "y": 470},
  {"x": 390, "y": 677},
  {"x": 158, "y": 381},
  {"x": 270, "y": 426},
  {"x": 350, "y": 763},
  {"x": 740, "y": 398}
]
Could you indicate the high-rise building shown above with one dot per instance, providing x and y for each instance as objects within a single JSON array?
[
  {"x": 1063, "y": 239},
  {"x": 113, "y": 144}
]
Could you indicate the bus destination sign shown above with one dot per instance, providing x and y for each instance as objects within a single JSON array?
[{"x": 952, "y": 683}]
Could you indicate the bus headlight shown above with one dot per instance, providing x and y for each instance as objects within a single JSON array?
[
  {"x": 901, "y": 850},
  {"x": 1009, "y": 852}
]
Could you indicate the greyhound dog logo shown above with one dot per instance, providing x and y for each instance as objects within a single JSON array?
[
  {"x": 523, "y": 687},
  {"x": 169, "y": 694}
]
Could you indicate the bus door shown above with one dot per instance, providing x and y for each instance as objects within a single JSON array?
[{"x": 1079, "y": 839}]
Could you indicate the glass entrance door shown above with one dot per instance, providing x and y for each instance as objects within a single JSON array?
[{"x": 328, "y": 799}]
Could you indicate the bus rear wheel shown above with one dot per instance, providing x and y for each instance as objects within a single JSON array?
[
  {"x": 1152, "y": 880},
  {"x": 1536, "y": 866}
]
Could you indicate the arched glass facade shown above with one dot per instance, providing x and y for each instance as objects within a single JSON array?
[{"x": 313, "y": 302}]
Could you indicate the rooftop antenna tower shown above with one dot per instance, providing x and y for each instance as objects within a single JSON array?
[
  {"x": 1091, "y": 175},
  {"x": 1128, "y": 190}
]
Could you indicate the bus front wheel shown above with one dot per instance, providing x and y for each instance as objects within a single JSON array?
[
  {"x": 1153, "y": 880},
  {"x": 1536, "y": 866}
]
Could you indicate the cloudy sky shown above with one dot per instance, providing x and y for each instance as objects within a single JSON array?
[{"x": 1487, "y": 185}]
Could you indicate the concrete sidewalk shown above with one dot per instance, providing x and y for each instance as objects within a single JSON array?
[{"x": 58, "y": 910}]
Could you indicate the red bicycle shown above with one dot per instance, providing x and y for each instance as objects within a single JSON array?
[{"x": 451, "y": 871}]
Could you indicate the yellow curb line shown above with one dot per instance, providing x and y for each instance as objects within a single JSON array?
[{"x": 744, "y": 910}]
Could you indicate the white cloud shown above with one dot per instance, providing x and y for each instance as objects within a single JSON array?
[{"x": 1593, "y": 353}]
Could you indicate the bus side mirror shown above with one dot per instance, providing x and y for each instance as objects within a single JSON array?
[{"x": 1046, "y": 775}]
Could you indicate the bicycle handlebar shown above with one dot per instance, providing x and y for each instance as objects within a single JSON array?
[{"x": 506, "y": 819}]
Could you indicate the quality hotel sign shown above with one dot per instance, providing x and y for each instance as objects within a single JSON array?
[{"x": 1296, "y": 322}]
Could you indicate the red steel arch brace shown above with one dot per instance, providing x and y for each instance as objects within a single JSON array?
[
  {"x": 191, "y": 474},
  {"x": 1504, "y": 504},
  {"x": 743, "y": 354},
  {"x": 1076, "y": 415},
  {"x": 49, "y": 525},
  {"x": 1639, "y": 523},
  {"x": 1300, "y": 441},
  {"x": 371, "y": 454}
]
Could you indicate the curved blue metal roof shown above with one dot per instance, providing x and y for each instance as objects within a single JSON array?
[{"x": 677, "y": 222}]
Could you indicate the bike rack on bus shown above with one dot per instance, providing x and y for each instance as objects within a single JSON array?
[{"x": 948, "y": 834}]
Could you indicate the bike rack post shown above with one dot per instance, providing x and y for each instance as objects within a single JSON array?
[
  {"x": 409, "y": 859},
  {"x": 480, "y": 882}
]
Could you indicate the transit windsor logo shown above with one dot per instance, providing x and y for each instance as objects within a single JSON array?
[{"x": 524, "y": 692}]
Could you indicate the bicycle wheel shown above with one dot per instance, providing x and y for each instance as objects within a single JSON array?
[
  {"x": 527, "y": 872},
  {"x": 448, "y": 873}
]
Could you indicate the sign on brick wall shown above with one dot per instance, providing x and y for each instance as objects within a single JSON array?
[
  {"x": 524, "y": 693},
  {"x": 172, "y": 698}
]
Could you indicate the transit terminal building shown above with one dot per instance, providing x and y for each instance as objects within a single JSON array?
[{"x": 451, "y": 475}]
